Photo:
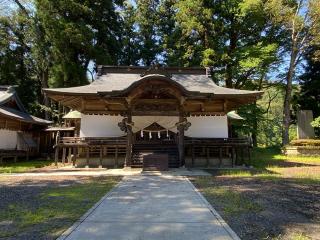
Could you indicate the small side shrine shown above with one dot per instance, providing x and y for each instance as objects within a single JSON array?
[{"x": 19, "y": 131}]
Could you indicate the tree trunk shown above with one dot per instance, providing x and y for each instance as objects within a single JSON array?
[
  {"x": 287, "y": 99},
  {"x": 44, "y": 77},
  {"x": 233, "y": 44},
  {"x": 255, "y": 120}
]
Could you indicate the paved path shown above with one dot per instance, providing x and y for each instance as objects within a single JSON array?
[
  {"x": 105, "y": 172},
  {"x": 152, "y": 207}
]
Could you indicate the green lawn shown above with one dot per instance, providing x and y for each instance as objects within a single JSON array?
[
  {"x": 52, "y": 210},
  {"x": 272, "y": 199},
  {"x": 271, "y": 164},
  {"x": 23, "y": 166}
]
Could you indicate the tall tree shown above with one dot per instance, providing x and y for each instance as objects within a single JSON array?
[
  {"x": 129, "y": 54},
  {"x": 169, "y": 34},
  {"x": 301, "y": 20},
  {"x": 233, "y": 36},
  {"x": 79, "y": 32},
  {"x": 309, "y": 96},
  {"x": 16, "y": 66},
  {"x": 146, "y": 20}
]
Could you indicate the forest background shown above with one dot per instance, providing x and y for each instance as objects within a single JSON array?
[{"x": 267, "y": 45}]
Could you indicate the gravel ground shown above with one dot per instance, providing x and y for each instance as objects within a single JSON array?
[
  {"x": 26, "y": 191},
  {"x": 289, "y": 210}
]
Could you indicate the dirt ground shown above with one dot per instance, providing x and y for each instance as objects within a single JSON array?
[
  {"x": 26, "y": 192},
  {"x": 288, "y": 210}
]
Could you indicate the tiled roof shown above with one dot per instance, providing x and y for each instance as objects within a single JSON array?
[
  {"x": 22, "y": 116},
  {"x": 121, "y": 81},
  {"x": 8, "y": 93}
]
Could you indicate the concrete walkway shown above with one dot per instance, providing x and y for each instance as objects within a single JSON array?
[
  {"x": 68, "y": 171},
  {"x": 151, "y": 207}
]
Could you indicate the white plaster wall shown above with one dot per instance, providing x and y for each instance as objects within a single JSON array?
[
  {"x": 8, "y": 139},
  {"x": 100, "y": 126},
  {"x": 208, "y": 127}
]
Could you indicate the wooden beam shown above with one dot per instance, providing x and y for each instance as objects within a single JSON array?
[
  {"x": 181, "y": 139},
  {"x": 207, "y": 113},
  {"x": 129, "y": 141},
  {"x": 155, "y": 113}
]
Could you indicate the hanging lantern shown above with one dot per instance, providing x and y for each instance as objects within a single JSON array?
[
  {"x": 141, "y": 134},
  {"x": 159, "y": 136},
  {"x": 167, "y": 133},
  {"x": 150, "y": 135}
]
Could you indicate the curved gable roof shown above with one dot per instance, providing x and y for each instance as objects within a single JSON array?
[
  {"x": 8, "y": 93},
  {"x": 117, "y": 82}
]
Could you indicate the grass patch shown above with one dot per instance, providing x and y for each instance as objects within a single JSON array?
[
  {"x": 271, "y": 164},
  {"x": 232, "y": 202},
  {"x": 23, "y": 166},
  {"x": 55, "y": 209},
  {"x": 300, "y": 236},
  {"x": 271, "y": 157}
]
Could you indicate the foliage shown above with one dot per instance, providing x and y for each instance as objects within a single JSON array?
[
  {"x": 239, "y": 43},
  {"x": 129, "y": 54},
  {"x": 264, "y": 119},
  {"x": 301, "y": 20},
  {"x": 16, "y": 64},
  {"x": 79, "y": 33},
  {"x": 309, "y": 96},
  {"x": 146, "y": 20},
  {"x": 316, "y": 122},
  {"x": 60, "y": 43}
]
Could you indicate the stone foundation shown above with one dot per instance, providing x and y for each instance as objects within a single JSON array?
[{"x": 302, "y": 150}]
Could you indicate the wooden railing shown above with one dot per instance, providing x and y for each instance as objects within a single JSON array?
[
  {"x": 69, "y": 148},
  {"x": 219, "y": 141},
  {"x": 91, "y": 147},
  {"x": 232, "y": 148}
]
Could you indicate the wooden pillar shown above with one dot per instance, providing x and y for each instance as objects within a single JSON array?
[
  {"x": 220, "y": 156},
  {"x": 192, "y": 160},
  {"x": 181, "y": 140},
  {"x": 56, "y": 156},
  {"x": 116, "y": 156},
  {"x": 249, "y": 155},
  {"x": 207, "y": 156},
  {"x": 101, "y": 154},
  {"x": 233, "y": 156},
  {"x": 87, "y": 156},
  {"x": 69, "y": 154},
  {"x": 74, "y": 156},
  {"x": 64, "y": 150},
  {"x": 242, "y": 157},
  {"x": 127, "y": 162}
]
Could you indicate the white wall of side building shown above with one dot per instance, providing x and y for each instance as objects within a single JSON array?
[
  {"x": 8, "y": 139},
  {"x": 100, "y": 126},
  {"x": 208, "y": 127}
]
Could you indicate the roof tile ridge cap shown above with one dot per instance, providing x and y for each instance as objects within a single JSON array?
[
  {"x": 38, "y": 118},
  {"x": 240, "y": 90},
  {"x": 154, "y": 74}
]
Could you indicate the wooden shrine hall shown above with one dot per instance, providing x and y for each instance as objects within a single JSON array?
[{"x": 155, "y": 118}]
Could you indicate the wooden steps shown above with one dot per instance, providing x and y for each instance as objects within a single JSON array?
[{"x": 140, "y": 150}]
